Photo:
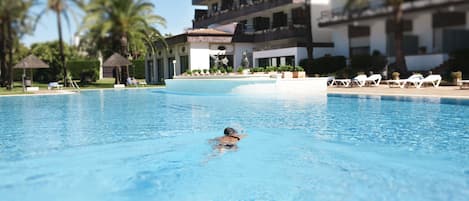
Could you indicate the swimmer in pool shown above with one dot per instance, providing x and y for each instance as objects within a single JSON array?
[{"x": 229, "y": 140}]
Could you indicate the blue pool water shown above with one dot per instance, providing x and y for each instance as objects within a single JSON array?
[{"x": 152, "y": 145}]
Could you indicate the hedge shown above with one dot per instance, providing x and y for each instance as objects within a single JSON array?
[
  {"x": 459, "y": 62},
  {"x": 366, "y": 63},
  {"x": 77, "y": 67},
  {"x": 324, "y": 65},
  {"x": 137, "y": 70}
]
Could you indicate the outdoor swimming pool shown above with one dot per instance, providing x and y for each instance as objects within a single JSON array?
[{"x": 152, "y": 145}]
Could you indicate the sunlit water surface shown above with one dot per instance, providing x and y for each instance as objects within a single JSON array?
[{"x": 153, "y": 145}]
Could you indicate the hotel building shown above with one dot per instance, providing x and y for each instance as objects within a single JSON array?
[{"x": 266, "y": 32}]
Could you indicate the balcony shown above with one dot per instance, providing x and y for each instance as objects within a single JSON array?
[
  {"x": 379, "y": 9},
  {"x": 285, "y": 32},
  {"x": 198, "y": 2},
  {"x": 238, "y": 11}
]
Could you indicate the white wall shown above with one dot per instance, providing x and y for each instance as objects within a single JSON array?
[
  {"x": 321, "y": 35},
  {"x": 422, "y": 27},
  {"x": 321, "y": 51},
  {"x": 341, "y": 41},
  {"x": 424, "y": 62},
  {"x": 199, "y": 56},
  {"x": 378, "y": 36}
]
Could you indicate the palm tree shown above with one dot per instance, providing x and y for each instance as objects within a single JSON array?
[
  {"x": 123, "y": 23},
  {"x": 63, "y": 7},
  {"x": 14, "y": 22},
  {"x": 397, "y": 13}
]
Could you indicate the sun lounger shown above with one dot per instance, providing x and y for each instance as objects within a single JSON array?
[
  {"x": 374, "y": 80},
  {"x": 464, "y": 84},
  {"x": 330, "y": 81},
  {"x": 343, "y": 82},
  {"x": 359, "y": 80},
  {"x": 55, "y": 85},
  {"x": 413, "y": 79},
  {"x": 433, "y": 79}
]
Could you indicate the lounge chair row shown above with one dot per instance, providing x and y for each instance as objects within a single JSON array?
[
  {"x": 416, "y": 80},
  {"x": 360, "y": 80}
]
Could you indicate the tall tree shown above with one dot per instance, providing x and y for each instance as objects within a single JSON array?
[
  {"x": 14, "y": 22},
  {"x": 358, "y": 6},
  {"x": 126, "y": 25},
  {"x": 63, "y": 7}
]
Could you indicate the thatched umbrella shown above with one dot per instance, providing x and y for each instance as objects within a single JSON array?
[
  {"x": 30, "y": 62},
  {"x": 116, "y": 61}
]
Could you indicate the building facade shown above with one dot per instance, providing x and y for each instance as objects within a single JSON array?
[
  {"x": 264, "y": 32},
  {"x": 432, "y": 30}
]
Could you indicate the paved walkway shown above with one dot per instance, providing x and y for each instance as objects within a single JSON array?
[{"x": 384, "y": 90}]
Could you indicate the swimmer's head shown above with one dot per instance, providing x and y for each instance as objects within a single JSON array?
[{"x": 230, "y": 131}]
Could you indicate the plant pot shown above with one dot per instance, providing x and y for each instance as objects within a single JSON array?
[
  {"x": 299, "y": 74},
  {"x": 287, "y": 75}
]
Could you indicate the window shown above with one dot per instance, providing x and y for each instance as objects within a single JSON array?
[
  {"x": 184, "y": 63},
  {"x": 160, "y": 66},
  {"x": 261, "y": 23},
  {"x": 263, "y": 62},
  {"x": 280, "y": 20},
  {"x": 171, "y": 67},
  {"x": 215, "y": 7},
  {"x": 290, "y": 60}
]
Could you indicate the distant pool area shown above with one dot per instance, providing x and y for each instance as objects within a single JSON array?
[{"x": 152, "y": 145}]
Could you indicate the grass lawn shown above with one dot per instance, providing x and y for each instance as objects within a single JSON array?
[{"x": 105, "y": 83}]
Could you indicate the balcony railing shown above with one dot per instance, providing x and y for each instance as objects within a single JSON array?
[
  {"x": 378, "y": 8},
  {"x": 242, "y": 10},
  {"x": 197, "y": 2},
  {"x": 284, "y": 32}
]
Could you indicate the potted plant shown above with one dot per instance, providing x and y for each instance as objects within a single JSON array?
[
  {"x": 240, "y": 70},
  {"x": 298, "y": 72},
  {"x": 196, "y": 72},
  {"x": 229, "y": 70},
  {"x": 395, "y": 75},
  {"x": 213, "y": 70},
  {"x": 205, "y": 72},
  {"x": 188, "y": 72},
  {"x": 222, "y": 71},
  {"x": 457, "y": 76},
  {"x": 286, "y": 72}
]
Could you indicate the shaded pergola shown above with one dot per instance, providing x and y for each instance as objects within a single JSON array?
[
  {"x": 117, "y": 61},
  {"x": 30, "y": 62}
]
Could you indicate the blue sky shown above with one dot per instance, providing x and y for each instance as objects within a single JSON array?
[{"x": 178, "y": 15}]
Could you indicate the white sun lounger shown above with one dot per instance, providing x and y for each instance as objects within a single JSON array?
[
  {"x": 464, "y": 84},
  {"x": 330, "y": 81},
  {"x": 413, "y": 79},
  {"x": 360, "y": 80},
  {"x": 433, "y": 79},
  {"x": 373, "y": 80}
]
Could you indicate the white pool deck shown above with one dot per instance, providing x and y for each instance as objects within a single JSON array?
[{"x": 384, "y": 90}]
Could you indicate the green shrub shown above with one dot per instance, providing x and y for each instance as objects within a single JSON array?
[
  {"x": 88, "y": 76},
  {"x": 459, "y": 62},
  {"x": 240, "y": 69},
  {"x": 229, "y": 69},
  {"x": 298, "y": 68},
  {"x": 137, "y": 69},
  {"x": 367, "y": 63},
  {"x": 77, "y": 67},
  {"x": 324, "y": 65}
]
